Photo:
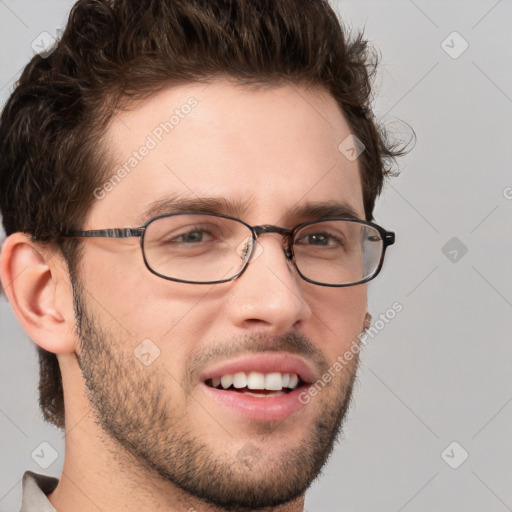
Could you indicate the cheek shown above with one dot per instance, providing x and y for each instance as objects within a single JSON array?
[
  {"x": 339, "y": 315},
  {"x": 145, "y": 305}
]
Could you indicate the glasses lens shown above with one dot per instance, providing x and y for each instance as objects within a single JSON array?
[
  {"x": 338, "y": 252},
  {"x": 197, "y": 248}
]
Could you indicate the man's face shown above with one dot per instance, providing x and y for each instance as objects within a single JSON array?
[{"x": 270, "y": 152}]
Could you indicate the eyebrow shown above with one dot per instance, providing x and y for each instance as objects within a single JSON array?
[
  {"x": 325, "y": 210},
  {"x": 176, "y": 204},
  {"x": 237, "y": 208}
]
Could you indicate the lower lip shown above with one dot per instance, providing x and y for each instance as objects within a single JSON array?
[{"x": 270, "y": 408}]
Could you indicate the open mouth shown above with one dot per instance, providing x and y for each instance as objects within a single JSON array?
[{"x": 257, "y": 384}]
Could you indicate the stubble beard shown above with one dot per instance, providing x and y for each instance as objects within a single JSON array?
[{"x": 133, "y": 407}]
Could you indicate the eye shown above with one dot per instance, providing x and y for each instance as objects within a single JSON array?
[
  {"x": 319, "y": 239},
  {"x": 192, "y": 237}
]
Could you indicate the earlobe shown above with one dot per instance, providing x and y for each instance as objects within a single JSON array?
[
  {"x": 30, "y": 280},
  {"x": 367, "y": 321}
]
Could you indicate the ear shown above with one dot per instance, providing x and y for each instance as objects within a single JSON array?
[
  {"x": 37, "y": 285},
  {"x": 367, "y": 321}
]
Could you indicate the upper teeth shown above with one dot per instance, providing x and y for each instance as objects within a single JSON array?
[{"x": 255, "y": 380}]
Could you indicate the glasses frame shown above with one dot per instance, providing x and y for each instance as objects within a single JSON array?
[{"x": 388, "y": 238}]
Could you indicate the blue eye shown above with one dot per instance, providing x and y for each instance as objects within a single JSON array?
[
  {"x": 319, "y": 239},
  {"x": 190, "y": 237}
]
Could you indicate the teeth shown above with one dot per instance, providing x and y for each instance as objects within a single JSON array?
[
  {"x": 294, "y": 380},
  {"x": 240, "y": 380},
  {"x": 256, "y": 380},
  {"x": 226, "y": 381},
  {"x": 274, "y": 381}
]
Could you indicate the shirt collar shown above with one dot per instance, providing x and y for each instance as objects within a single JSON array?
[{"x": 36, "y": 487}]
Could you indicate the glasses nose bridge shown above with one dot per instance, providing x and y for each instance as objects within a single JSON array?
[{"x": 284, "y": 232}]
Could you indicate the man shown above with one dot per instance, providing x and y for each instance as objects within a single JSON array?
[{"x": 187, "y": 189}]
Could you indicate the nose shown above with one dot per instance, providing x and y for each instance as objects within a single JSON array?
[{"x": 268, "y": 296}]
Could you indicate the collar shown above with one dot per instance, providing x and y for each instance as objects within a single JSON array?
[{"x": 35, "y": 488}]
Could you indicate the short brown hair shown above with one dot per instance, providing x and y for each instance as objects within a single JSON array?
[{"x": 116, "y": 51}]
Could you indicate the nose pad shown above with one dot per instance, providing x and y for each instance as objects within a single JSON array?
[
  {"x": 288, "y": 254},
  {"x": 252, "y": 247},
  {"x": 247, "y": 247}
]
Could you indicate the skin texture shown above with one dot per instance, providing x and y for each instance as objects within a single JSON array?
[{"x": 148, "y": 437}]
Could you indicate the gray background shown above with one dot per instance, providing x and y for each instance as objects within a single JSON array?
[{"x": 439, "y": 371}]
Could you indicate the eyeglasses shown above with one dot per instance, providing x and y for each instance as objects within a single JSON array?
[{"x": 209, "y": 248}]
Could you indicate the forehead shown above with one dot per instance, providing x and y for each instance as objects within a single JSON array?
[{"x": 272, "y": 151}]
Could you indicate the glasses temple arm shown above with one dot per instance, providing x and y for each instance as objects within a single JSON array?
[{"x": 107, "y": 233}]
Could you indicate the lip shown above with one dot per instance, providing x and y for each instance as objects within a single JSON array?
[
  {"x": 268, "y": 408},
  {"x": 258, "y": 409},
  {"x": 267, "y": 362}
]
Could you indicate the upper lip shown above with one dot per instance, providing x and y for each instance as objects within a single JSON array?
[{"x": 266, "y": 362}]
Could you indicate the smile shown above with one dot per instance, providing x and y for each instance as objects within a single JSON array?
[
  {"x": 256, "y": 383},
  {"x": 262, "y": 387}
]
